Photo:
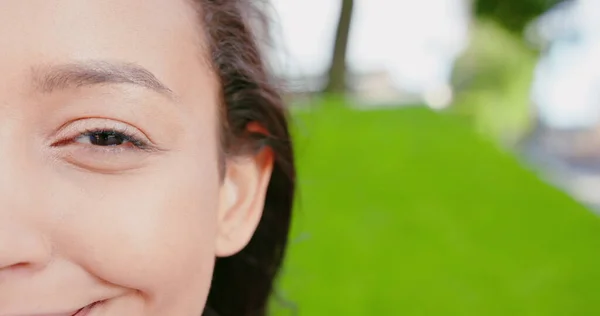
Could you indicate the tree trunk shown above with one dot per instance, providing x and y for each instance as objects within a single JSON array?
[{"x": 337, "y": 70}]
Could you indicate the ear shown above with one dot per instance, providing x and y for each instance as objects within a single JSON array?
[{"x": 242, "y": 198}]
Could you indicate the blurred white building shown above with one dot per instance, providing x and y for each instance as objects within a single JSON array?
[
  {"x": 567, "y": 83},
  {"x": 411, "y": 45},
  {"x": 566, "y": 91}
]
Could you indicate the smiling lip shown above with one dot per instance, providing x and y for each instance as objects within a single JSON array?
[
  {"x": 81, "y": 312},
  {"x": 86, "y": 310}
]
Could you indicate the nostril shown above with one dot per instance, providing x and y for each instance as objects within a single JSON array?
[
  {"x": 12, "y": 271},
  {"x": 16, "y": 269},
  {"x": 22, "y": 249},
  {"x": 19, "y": 266},
  {"x": 14, "y": 266}
]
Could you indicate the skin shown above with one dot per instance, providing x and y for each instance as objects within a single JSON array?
[{"x": 135, "y": 225}]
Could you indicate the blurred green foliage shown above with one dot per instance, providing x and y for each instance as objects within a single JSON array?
[
  {"x": 492, "y": 80},
  {"x": 512, "y": 14},
  {"x": 409, "y": 212}
]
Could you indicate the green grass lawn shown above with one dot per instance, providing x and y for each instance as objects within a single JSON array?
[{"x": 408, "y": 212}]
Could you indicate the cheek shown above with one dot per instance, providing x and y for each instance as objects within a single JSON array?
[{"x": 152, "y": 230}]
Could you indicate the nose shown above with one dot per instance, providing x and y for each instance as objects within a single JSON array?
[
  {"x": 22, "y": 245},
  {"x": 21, "y": 249}
]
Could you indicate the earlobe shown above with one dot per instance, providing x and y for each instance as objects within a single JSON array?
[{"x": 242, "y": 200}]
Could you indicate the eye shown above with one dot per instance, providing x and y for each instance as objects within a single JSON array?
[
  {"x": 102, "y": 135},
  {"x": 103, "y": 145},
  {"x": 106, "y": 138}
]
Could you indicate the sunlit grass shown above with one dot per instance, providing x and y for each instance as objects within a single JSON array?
[{"x": 407, "y": 212}]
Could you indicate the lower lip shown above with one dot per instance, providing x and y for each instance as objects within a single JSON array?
[{"x": 86, "y": 310}]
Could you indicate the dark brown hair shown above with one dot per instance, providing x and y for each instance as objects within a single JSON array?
[{"x": 242, "y": 283}]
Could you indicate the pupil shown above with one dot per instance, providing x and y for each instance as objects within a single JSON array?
[{"x": 106, "y": 139}]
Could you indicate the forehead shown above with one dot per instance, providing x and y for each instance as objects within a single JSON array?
[{"x": 161, "y": 35}]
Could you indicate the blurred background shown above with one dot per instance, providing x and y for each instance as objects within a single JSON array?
[{"x": 448, "y": 155}]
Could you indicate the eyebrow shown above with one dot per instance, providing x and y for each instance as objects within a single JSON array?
[{"x": 47, "y": 79}]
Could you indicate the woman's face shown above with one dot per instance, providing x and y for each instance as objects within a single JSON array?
[{"x": 110, "y": 189}]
